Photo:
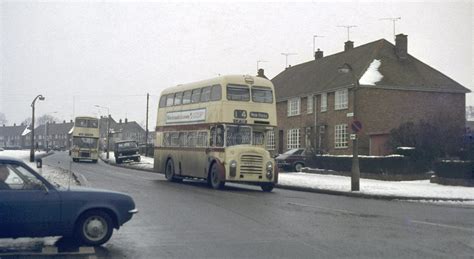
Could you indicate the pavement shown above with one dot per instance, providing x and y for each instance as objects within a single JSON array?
[{"x": 417, "y": 190}]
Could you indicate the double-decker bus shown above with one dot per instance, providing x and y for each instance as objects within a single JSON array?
[
  {"x": 216, "y": 130},
  {"x": 85, "y": 139}
]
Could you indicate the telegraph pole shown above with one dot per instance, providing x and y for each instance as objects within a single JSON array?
[
  {"x": 146, "y": 130},
  {"x": 348, "y": 27}
]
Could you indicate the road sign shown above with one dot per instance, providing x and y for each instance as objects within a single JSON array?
[{"x": 356, "y": 126}]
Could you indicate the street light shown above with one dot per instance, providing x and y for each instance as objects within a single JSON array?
[
  {"x": 108, "y": 127},
  {"x": 32, "y": 149},
  {"x": 355, "y": 171}
]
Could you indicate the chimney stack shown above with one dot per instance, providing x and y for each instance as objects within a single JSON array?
[
  {"x": 120, "y": 121},
  {"x": 14, "y": 124},
  {"x": 401, "y": 46},
  {"x": 126, "y": 120},
  {"x": 348, "y": 45},
  {"x": 318, "y": 54},
  {"x": 261, "y": 73}
]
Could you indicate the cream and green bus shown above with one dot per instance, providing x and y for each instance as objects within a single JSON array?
[
  {"x": 216, "y": 130},
  {"x": 85, "y": 139}
]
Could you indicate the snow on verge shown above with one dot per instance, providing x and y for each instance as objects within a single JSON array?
[
  {"x": 372, "y": 74},
  {"x": 421, "y": 188}
]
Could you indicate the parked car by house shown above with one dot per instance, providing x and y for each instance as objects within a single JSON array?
[
  {"x": 30, "y": 206},
  {"x": 126, "y": 150},
  {"x": 293, "y": 159}
]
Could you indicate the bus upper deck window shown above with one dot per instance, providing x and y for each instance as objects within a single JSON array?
[
  {"x": 169, "y": 100},
  {"x": 216, "y": 93},
  {"x": 262, "y": 94},
  {"x": 177, "y": 98},
  {"x": 163, "y": 101},
  {"x": 238, "y": 93},
  {"x": 196, "y": 95},
  {"x": 206, "y": 94},
  {"x": 186, "y": 97}
]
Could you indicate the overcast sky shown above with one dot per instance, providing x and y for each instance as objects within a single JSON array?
[{"x": 83, "y": 54}]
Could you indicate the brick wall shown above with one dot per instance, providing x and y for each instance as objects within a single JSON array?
[{"x": 379, "y": 110}]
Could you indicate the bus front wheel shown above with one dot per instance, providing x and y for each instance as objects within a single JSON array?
[
  {"x": 267, "y": 187},
  {"x": 213, "y": 178}
]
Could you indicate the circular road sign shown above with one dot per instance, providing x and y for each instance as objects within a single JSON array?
[{"x": 356, "y": 126}]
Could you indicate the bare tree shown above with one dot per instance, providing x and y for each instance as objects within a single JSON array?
[
  {"x": 3, "y": 118},
  {"x": 43, "y": 119}
]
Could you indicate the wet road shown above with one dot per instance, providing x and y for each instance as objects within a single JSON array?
[{"x": 189, "y": 220}]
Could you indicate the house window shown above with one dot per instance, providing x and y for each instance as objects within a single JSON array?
[
  {"x": 293, "y": 139},
  {"x": 324, "y": 102},
  {"x": 271, "y": 140},
  {"x": 294, "y": 107},
  {"x": 340, "y": 136},
  {"x": 309, "y": 108},
  {"x": 341, "y": 101}
]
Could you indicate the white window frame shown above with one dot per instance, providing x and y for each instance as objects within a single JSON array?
[
  {"x": 294, "y": 106},
  {"x": 341, "y": 99},
  {"x": 310, "y": 104},
  {"x": 270, "y": 140},
  {"x": 293, "y": 138},
  {"x": 340, "y": 136},
  {"x": 324, "y": 102}
]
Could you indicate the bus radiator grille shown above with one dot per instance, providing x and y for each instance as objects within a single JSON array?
[{"x": 251, "y": 164}]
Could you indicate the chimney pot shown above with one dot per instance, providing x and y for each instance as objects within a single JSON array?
[
  {"x": 261, "y": 73},
  {"x": 401, "y": 46},
  {"x": 318, "y": 54},
  {"x": 348, "y": 45}
]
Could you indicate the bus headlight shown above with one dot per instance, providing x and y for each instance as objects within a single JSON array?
[
  {"x": 269, "y": 173},
  {"x": 233, "y": 168}
]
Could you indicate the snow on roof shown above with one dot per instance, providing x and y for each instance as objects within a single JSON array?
[
  {"x": 70, "y": 131},
  {"x": 26, "y": 131},
  {"x": 372, "y": 75}
]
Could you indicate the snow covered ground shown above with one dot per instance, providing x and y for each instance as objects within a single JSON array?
[
  {"x": 52, "y": 174},
  {"x": 145, "y": 162},
  {"x": 420, "y": 188}
]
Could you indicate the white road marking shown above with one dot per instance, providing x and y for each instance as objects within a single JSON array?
[{"x": 442, "y": 225}]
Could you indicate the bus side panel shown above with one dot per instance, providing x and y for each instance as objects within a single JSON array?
[{"x": 194, "y": 163}]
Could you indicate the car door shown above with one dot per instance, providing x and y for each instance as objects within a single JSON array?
[{"x": 27, "y": 206}]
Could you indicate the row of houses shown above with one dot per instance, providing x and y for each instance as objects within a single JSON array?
[
  {"x": 315, "y": 101},
  {"x": 58, "y": 135}
]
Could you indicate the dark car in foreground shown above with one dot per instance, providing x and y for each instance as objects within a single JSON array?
[
  {"x": 293, "y": 159},
  {"x": 30, "y": 206},
  {"x": 126, "y": 150}
]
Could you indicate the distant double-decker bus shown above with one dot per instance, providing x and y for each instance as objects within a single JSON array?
[
  {"x": 85, "y": 139},
  {"x": 216, "y": 130}
]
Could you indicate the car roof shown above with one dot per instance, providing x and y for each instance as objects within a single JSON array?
[{"x": 9, "y": 159}]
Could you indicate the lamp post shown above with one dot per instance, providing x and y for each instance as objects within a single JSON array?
[
  {"x": 32, "y": 149},
  {"x": 108, "y": 127},
  {"x": 355, "y": 171}
]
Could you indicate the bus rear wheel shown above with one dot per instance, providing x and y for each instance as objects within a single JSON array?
[
  {"x": 213, "y": 178},
  {"x": 169, "y": 172}
]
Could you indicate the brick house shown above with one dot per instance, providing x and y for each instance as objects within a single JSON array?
[
  {"x": 121, "y": 130},
  {"x": 52, "y": 135},
  {"x": 13, "y": 136},
  {"x": 315, "y": 100}
]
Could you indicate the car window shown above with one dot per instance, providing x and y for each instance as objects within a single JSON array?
[{"x": 16, "y": 177}]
